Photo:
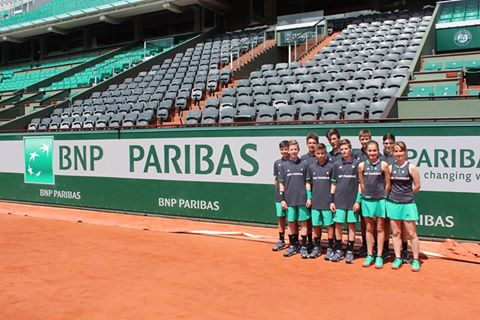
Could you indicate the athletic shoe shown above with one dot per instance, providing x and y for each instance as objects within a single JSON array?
[
  {"x": 316, "y": 252},
  {"x": 397, "y": 263},
  {"x": 405, "y": 257},
  {"x": 329, "y": 254},
  {"x": 415, "y": 265},
  {"x": 337, "y": 256},
  {"x": 378, "y": 262},
  {"x": 349, "y": 257},
  {"x": 362, "y": 251},
  {"x": 309, "y": 247},
  {"x": 304, "y": 252},
  {"x": 279, "y": 246},
  {"x": 292, "y": 250},
  {"x": 386, "y": 253},
  {"x": 368, "y": 261}
]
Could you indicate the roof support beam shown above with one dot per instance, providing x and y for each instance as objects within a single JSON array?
[
  {"x": 11, "y": 39},
  {"x": 57, "y": 30},
  {"x": 171, "y": 7},
  {"x": 110, "y": 20}
]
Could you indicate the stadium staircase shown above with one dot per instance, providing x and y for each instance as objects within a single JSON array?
[
  {"x": 178, "y": 117},
  {"x": 317, "y": 48}
]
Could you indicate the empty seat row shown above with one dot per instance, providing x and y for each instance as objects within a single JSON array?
[{"x": 304, "y": 112}]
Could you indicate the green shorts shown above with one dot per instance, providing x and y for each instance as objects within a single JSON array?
[
  {"x": 297, "y": 213},
  {"x": 402, "y": 211},
  {"x": 374, "y": 208},
  {"x": 322, "y": 218},
  {"x": 348, "y": 216},
  {"x": 278, "y": 209}
]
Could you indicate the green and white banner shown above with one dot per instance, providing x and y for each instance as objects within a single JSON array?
[{"x": 223, "y": 173}]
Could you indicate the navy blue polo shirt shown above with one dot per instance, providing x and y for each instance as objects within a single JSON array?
[
  {"x": 345, "y": 176},
  {"x": 319, "y": 177},
  {"x": 293, "y": 175},
  {"x": 277, "y": 165}
]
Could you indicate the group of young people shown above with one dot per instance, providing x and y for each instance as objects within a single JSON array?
[{"x": 342, "y": 186}]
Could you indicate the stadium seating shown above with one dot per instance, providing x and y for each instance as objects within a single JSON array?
[
  {"x": 58, "y": 9},
  {"x": 352, "y": 78},
  {"x": 174, "y": 84},
  {"x": 367, "y": 62},
  {"x": 21, "y": 76},
  {"x": 104, "y": 69}
]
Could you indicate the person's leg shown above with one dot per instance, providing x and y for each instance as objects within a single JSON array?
[
  {"x": 281, "y": 227},
  {"x": 386, "y": 242},
  {"x": 292, "y": 216},
  {"x": 380, "y": 241},
  {"x": 362, "y": 251},
  {"x": 303, "y": 233},
  {"x": 317, "y": 247},
  {"x": 396, "y": 226},
  {"x": 380, "y": 236},
  {"x": 411, "y": 230},
  {"x": 351, "y": 242},
  {"x": 369, "y": 234},
  {"x": 404, "y": 245}
]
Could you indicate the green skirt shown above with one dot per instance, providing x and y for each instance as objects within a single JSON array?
[{"x": 402, "y": 211}]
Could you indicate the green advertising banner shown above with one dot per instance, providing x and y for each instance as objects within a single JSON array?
[
  {"x": 226, "y": 173},
  {"x": 458, "y": 38}
]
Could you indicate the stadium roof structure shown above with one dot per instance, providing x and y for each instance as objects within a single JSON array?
[{"x": 114, "y": 11}]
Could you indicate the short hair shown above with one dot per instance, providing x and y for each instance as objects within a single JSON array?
[
  {"x": 364, "y": 132},
  {"x": 313, "y": 136},
  {"x": 293, "y": 142},
  {"x": 389, "y": 136},
  {"x": 401, "y": 145},
  {"x": 332, "y": 131},
  {"x": 283, "y": 144},
  {"x": 345, "y": 142},
  {"x": 320, "y": 147},
  {"x": 373, "y": 142}
]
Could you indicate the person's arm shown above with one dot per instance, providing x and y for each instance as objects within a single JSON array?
[
  {"x": 386, "y": 173},
  {"x": 333, "y": 187},
  {"x": 281, "y": 188},
  {"x": 416, "y": 177},
  {"x": 308, "y": 187},
  {"x": 361, "y": 185},
  {"x": 358, "y": 201}
]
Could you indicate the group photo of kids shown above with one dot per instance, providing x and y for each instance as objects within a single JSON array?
[{"x": 329, "y": 187}]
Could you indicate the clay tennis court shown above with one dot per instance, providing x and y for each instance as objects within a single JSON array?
[{"x": 114, "y": 266}]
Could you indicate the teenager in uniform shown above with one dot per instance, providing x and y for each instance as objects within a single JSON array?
[
  {"x": 309, "y": 158},
  {"x": 294, "y": 198},
  {"x": 388, "y": 142},
  {"x": 364, "y": 136},
  {"x": 401, "y": 207},
  {"x": 345, "y": 200},
  {"x": 317, "y": 185},
  {"x": 333, "y": 136},
  {"x": 277, "y": 166},
  {"x": 312, "y": 141},
  {"x": 374, "y": 175}
]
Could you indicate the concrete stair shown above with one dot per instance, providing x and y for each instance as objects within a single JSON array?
[{"x": 317, "y": 48}]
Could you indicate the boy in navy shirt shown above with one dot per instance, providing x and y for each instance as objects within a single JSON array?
[
  {"x": 294, "y": 198},
  {"x": 309, "y": 158},
  {"x": 345, "y": 199},
  {"x": 317, "y": 185},
  {"x": 277, "y": 166}
]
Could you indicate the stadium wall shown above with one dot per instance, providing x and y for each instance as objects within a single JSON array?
[{"x": 225, "y": 173}]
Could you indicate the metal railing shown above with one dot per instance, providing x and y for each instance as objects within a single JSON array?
[
  {"x": 302, "y": 43},
  {"x": 237, "y": 50}
]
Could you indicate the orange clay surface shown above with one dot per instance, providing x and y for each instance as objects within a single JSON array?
[{"x": 109, "y": 267}]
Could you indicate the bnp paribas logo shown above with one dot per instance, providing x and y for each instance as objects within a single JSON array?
[
  {"x": 38, "y": 155},
  {"x": 462, "y": 38}
]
